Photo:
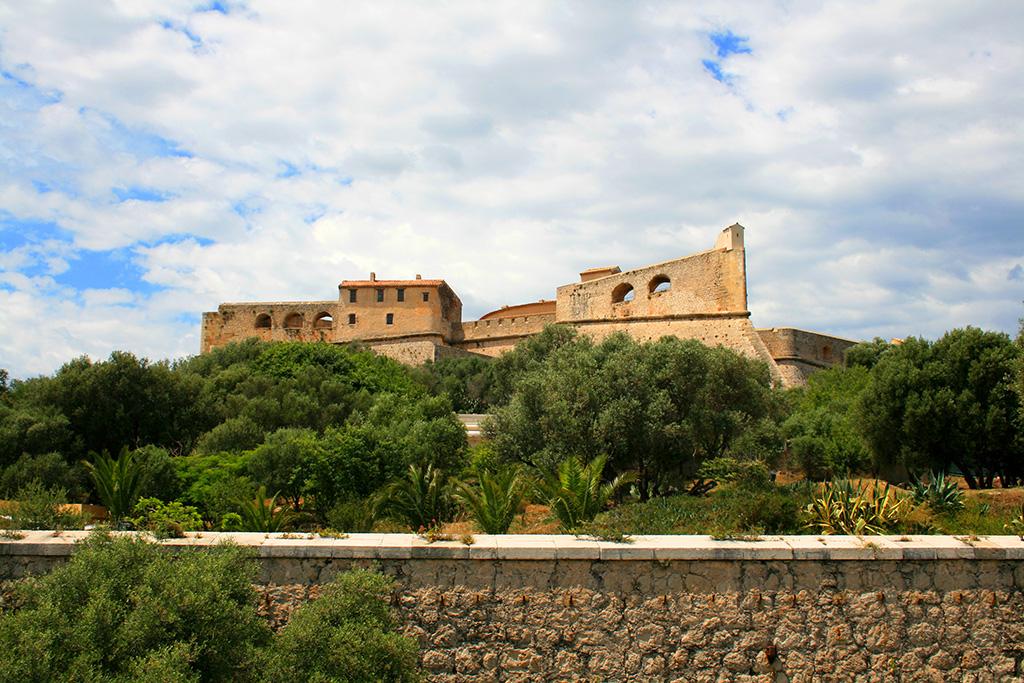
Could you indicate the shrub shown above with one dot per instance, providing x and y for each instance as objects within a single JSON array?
[
  {"x": 49, "y": 469},
  {"x": 748, "y": 474},
  {"x": 494, "y": 501},
  {"x": 121, "y": 609},
  {"x": 352, "y": 516},
  {"x": 726, "y": 511},
  {"x": 346, "y": 634},
  {"x": 166, "y": 520},
  {"x": 937, "y": 492},
  {"x": 39, "y": 507},
  {"x": 234, "y": 434},
  {"x": 574, "y": 491},
  {"x": 843, "y": 508}
]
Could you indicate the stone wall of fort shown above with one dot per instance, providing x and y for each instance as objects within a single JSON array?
[
  {"x": 668, "y": 608},
  {"x": 269, "y": 321},
  {"x": 495, "y": 336}
]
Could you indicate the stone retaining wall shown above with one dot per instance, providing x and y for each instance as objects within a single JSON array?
[{"x": 669, "y": 608}]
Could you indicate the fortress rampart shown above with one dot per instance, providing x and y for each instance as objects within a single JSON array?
[
  {"x": 702, "y": 296},
  {"x": 800, "y": 609}
]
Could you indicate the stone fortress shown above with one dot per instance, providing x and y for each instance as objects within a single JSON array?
[{"x": 702, "y": 297}]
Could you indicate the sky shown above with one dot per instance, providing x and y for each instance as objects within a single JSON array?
[{"x": 158, "y": 158}]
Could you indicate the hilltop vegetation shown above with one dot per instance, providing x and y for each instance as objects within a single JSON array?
[{"x": 300, "y": 435}]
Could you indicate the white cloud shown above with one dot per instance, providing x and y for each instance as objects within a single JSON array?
[{"x": 871, "y": 149}]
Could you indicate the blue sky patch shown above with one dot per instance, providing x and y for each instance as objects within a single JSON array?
[
  {"x": 181, "y": 237},
  {"x": 105, "y": 270},
  {"x": 728, "y": 43},
  {"x": 715, "y": 69},
  {"x": 142, "y": 194},
  {"x": 215, "y": 6},
  {"x": 140, "y": 143},
  {"x": 15, "y": 232},
  {"x": 289, "y": 170}
]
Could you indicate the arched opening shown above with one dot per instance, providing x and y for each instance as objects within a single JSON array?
[
  {"x": 293, "y": 321},
  {"x": 826, "y": 352},
  {"x": 659, "y": 284},
  {"x": 323, "y": 321},
  {"x": 624, "y": 293},
  {"x": 263, "y": 321}
]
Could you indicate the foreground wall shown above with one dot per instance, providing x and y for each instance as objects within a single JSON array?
[{"x": 529, "y": 608}]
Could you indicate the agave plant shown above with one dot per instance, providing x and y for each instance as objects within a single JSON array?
[
  {"x": 421, "y": 499},
  {"x": 118, "y": 482},
  {"x": 575, "y": 493},
  {"x": 843, "y": 508},
  {"x": 1016, "y": 525},
  {"x": 937, "y": 492},
  {"x": 262, "y": 513},
  {"x": 495, "y": 499}
]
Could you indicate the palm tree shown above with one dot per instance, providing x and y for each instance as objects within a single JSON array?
[
  {"x": 421, "y": 499},
  {"x": 261, "y": 513},
  {"x": 118, "y": 482},
  {"x": 575, "y": 493},
  {"x": 494, "y": 502}
]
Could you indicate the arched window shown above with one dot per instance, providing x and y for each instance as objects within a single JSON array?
[
  {"x": 659, "y": 284},
  {"x": 624, "y": 293},
  {"x": 323, "y": 321},
  {"x": 293, "y": 321},
  {"x": 263, "y": 321}
]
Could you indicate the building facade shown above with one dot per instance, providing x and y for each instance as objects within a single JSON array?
[{"x": 702, "y": 296}]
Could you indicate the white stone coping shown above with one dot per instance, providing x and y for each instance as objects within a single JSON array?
[{"x": 567, "y": 547}]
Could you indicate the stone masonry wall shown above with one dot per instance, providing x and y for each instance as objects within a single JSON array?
[{"x": 677, "y": 608}]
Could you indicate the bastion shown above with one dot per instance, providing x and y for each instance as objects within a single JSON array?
[
  {"x": 661, "y": 608},
  {"x": 702, "y": 296}
]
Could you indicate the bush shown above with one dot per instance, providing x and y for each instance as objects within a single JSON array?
[
  {"x": 726, "y": 511},
  {"x": 122, "y": 608},
  {"x": 351, "y": 516},
  {"x": 937, "y": 492},
  {"x": 845, "y": 508},
  {"x": 346, "y": 634},
  {"x": 747, "y": 474},
  {"x": 117, "y": 481},
  {"x": 49, "y": 469},
  {"x": 166, "y": 520},
  {"x": 39, "y": 507}
]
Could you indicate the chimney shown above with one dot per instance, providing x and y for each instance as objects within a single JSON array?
[
  {"x": 418, "y": 276},
  {"x": 373, "y": 277}
]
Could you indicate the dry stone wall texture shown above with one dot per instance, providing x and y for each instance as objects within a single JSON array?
[{"x": 668, "y": 608}]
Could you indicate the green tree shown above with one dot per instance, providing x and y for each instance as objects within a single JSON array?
[
  {"x": 121, "y": 607},
  {"x": 948, "y": 404},
  {"x": 49, "y": 469},
  {"x": 658, "y": 409},
  {"x": 285, "y": 461},
  {"x": 823, "y": 433},
  {"x": 867, "y": 354}
]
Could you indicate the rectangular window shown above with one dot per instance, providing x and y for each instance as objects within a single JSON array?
[
  {"x": 380, "y": 295},
  {"x": 351, "y": 318},
  {"x": 351, "y": 296},
  {"x": 390, "y": 319},
  {"x": 426, "y": 296},
  {"x": 401, "y": 294}
]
